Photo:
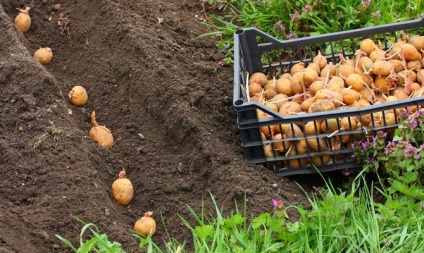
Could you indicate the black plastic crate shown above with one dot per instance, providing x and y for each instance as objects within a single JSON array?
[{"x": 256, "y": 51}]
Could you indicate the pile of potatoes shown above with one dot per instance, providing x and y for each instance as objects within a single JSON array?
[{"x": 374, "y": 75}]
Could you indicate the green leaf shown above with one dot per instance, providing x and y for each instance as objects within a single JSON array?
[
  {"x": 66, "y": 242},
  {"x": 397, "y": 137},
  {"x": 87, "y": 246},
  {"x": 410, "y": 167},
  {"x": 410, "y": 176},
  {"x": 260, "y": 220},
  {"x": 234, "y": 220},
  {"x": 204, "y": 231}
]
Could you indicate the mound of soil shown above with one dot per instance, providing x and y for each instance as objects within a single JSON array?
[{"x": 161, "y": 93}]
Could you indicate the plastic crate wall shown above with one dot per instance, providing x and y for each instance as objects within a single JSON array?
[{"x": 256, "y": 51}]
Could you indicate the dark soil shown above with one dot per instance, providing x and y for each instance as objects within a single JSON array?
[{"x": 161, "y": 93}]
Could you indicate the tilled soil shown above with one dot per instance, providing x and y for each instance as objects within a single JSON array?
[{"x": 161, "y": 93}]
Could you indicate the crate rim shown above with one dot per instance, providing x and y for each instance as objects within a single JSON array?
[{"x": 396, "y": 26}]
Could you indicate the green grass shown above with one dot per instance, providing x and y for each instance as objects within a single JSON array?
[
  {"x": 338, "y": 221},
  {"x": 346, "y": 221},
  {"x": 290, "y": 19},
  {"x": 96, "y": 241}
]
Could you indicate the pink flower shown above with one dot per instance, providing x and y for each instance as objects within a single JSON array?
[
  {"x": 377, "y": 14},
  {"x": 291, "y": 36},
  {"x": 295, "y": 15},
  {"x": 279, "y": 25},
  {"x": 346, "y": 172},
  {"x": 365, "y": 4},
  {"x": 221, "y": 63},
  {"x": 278, "y": 204},
  {"x": 307, "y": 8}
]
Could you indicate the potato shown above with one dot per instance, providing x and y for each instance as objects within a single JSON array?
[
  {"x": 417, "y": 41},
  {"x": 367, "y": 45},
  {"x": 290, "y": 108},
  {"x": 271, "y": 106},
  {"x": 388, "y": 119},
  {"x": 267, "y": 131},
  {"x": 254, "y": 89},
  {"x": 297, "y": 83},
  {"x": 298, "y": 98},
  {"x": 366, "y": 119},
  {"x": 420, "y": 76},
  {"x": 394, "y": 52},
  {"x": 414, "y": 86},
  {"x": 377, "y": 54},
  {"x": 391, "y": 98},
  {"x": 397, "y": 65},
  {"x": 355, "y": 81},
  {"x": 329, "y": 71},
  {"x": 263, "y": 137},
  {"x": 329, "y": 125},
  {"x": 348, "y": 123},
  {"x": 404, "y": 76},
  {"x": 322, "y": 105},
  {"x": 410, "y": 52},
  {"x": 314, "y": 66},
  {"x": 317, "y": 144},
  {"x": 270, "y": 93},
  {"x": 312, "y": 127},
  {"x": 270, "y": 84},
  {"x": 316, "y": 86},
  {"x": 344, "y": 70},
  {"x": 367, "y": 94},
  {"x": 286, "y": 75},
  {"x": 279, "y": 100},
  {"x": 259, "y": 78},
  {"x": 336, "y": 83},
  {"x": 418, "y": 93},
  {"x": 335, "y": 96},
  {"x": 257, "y": 98},
  {"x": 382, "y": 68},
  {"x": 367, "y": 78},
  {"x": 122, "y": 189},
  {"x": 269, "y": 152},
  {"x": 399, "y": 92},
  {"x": 292, "y": 130},
  {"x": 320, "y": 159},
  {"x": 279, "y": 128},
  {"x": 307, "y": 103},
  {"x": 349, "y": 96},
  {"x": 382, "y": 84},
  {"x": 345, "y": 137},
  {"x": 301, "y": 147},
  {"x": 297, "y": 67},
  {"x": 283, "y": 85},
  {"x": 323, "y": 93},
  {"x": 296, "y": 163},
  {"x": 309, "y": 76},
  {"x": 280, "y": 146},
  {"x": 365, "y": 64},
  {"x": 414, "y": 65},
  {"x": 320, "y": 60}
]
